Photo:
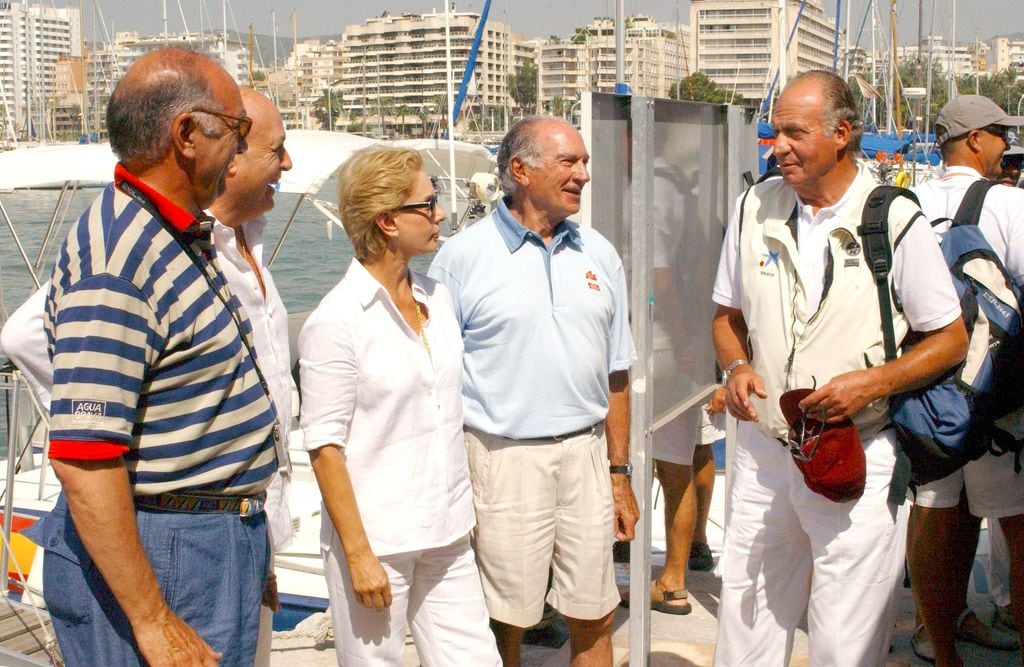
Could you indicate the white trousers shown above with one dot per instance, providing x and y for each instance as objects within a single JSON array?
[
  {"x": 788, "y": 549},
  {"x": 435, "y": 592}
]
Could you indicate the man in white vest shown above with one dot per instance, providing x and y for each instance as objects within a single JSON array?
[{"x": 798, "y": 308}]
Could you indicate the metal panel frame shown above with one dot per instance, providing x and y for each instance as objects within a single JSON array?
[{"x": 641, "y": 261}]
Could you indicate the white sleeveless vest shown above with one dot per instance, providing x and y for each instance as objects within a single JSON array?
[{"x": 791, "y": 347}]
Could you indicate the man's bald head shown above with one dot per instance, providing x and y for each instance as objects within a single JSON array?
[
  {"x": 251, "y": 188},
  {"x": 158, "y": 87}
]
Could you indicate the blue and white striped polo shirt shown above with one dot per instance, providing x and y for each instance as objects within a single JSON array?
[{"x": 146, "y": 354}]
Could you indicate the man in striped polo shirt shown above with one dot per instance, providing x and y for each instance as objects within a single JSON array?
[{"x": 162, "y": 431}]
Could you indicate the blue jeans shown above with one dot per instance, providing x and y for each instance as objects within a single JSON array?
[{"x": 211, "y": 569}]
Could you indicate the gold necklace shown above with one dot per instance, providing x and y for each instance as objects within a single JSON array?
[{"x": 419, "y": 328}]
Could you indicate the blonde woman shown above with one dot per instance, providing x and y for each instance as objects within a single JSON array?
[{"x": 381, "y": 369}]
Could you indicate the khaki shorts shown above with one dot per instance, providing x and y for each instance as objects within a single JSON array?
[
  {"x": 543, "y": 506},
  {"x": 994, "y": 489},
  {"x": 676, "y": 441}
]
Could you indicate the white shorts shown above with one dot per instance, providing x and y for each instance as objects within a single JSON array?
[
  {"x": 543, "y": 506},
  {"x": 676, "y": 441},
  {"x": 993, "y": 488}
]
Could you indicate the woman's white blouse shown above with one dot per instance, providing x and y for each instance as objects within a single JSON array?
[{"x": 369, "y": 386}]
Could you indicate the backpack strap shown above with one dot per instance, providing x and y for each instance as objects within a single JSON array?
[
  {"x": 878, "y": 248},
  {"x": 771, "y": 173},
  {"x": 969, "y": 211}
]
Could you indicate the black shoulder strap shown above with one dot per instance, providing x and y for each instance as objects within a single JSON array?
[
  {"x": 874, "y": 233},
  {"x": 969, "y": 210},
  {"x": 771, "y": 173}
]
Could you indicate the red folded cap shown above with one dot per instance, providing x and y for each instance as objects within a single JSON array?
[{"x": 837, "y": 469}]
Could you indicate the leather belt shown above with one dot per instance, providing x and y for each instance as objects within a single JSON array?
[
  {"x": 565, "y": 436},
  {"x": 187, "y": 503}
]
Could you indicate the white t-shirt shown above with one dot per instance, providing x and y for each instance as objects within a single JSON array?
[{"x": 1002, "y": 216}]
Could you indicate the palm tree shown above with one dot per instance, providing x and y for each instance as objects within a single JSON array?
[{"x": 403, "y": 110}]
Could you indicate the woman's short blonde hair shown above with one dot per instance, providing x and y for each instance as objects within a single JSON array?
[{"x": 375, "y": 180}]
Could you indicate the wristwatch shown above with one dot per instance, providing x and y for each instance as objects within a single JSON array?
[
  {"x": 727, "y": 371},
  {"x": 626, "y": 470}
]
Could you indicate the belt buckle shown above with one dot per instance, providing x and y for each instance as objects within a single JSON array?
[{"x": 251, "y": 506}]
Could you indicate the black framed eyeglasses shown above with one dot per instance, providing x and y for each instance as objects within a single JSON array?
[
  {"x": 804, "y": 437},
  {"x": 1000, "y": 131},
  {"x": 430, "y": 205},
  {"x": 240, "y": 125}
]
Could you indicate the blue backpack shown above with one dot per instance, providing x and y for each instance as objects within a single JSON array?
[{"x": 945, "y": 425}]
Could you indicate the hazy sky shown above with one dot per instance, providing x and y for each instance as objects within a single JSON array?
[{"x": 975, "y": 19}]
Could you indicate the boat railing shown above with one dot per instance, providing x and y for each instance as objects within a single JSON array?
[
  {"x": 27, "y": 424},
  {"x": 27, "y": 428}
]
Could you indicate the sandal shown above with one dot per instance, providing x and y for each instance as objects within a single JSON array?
[
  {"x": 661, "y": 599},
  {"x": 984, "y": 635},
  {"x": 922, "y": 644},
  {"x": 1004, "y": 619}
]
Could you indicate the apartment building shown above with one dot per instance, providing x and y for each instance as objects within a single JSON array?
[
  {"x": 232, "y": 54},
  {"x": 960, "y": 59},
  {"x": 394, "y": 71},
  {"x": 107, "y": 63},
  {"x": 315, "y": 66},
  {"x": 737, "y": 42},
  {"x": 33, "y": 38},
  {"x": 1006, "y": 53},
  {"x": 656, "y": 57}
]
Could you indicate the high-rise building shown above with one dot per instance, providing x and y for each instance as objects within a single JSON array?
[
  {"x": 656, "y": 57},
  {"x": 107, "y": 63},
  {"x": 737, "y": 42},
  {"x": 960, "y": 59},
  {"x": 33, "y": 38},
  {"x": 1006, "y": 53},
  {"x": 394, "y": 72},
  {"x": 315, "y": 66}
]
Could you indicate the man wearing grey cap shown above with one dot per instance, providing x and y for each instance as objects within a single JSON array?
[{"x": 971, "y": 131}]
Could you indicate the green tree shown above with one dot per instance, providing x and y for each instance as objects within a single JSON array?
[
  {"x": 699, "y": 88},
  {"x": 403, "y": 110},
  {"x": 557, "y": 106},
  {"x": 522, "y": 85},
  {"x": 329, "y": 108},
  {"x": 1003, "y": 88}
]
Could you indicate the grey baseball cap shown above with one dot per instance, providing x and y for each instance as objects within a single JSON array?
[{"x": 970, "y": 112}]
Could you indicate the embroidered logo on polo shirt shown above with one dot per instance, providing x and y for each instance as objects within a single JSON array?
[
  {"x": 852, "y": 248},
  {"x": 88, "y": 413},
  {"x": 592, "y": 281}
]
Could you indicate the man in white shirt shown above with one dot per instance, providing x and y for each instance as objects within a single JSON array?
[
  {"x": 971, "y": 131},
  {"x": 798, "y": 308},
  {"x": 238, "y": 238}
]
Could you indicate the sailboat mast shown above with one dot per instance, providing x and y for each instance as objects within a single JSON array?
[
  {"x": 874, "y": 67},
  {"x": 450, "y": 84},
  {"x": 85, "y": 69},
  {"x": 897, "y": 98},
  {"x": 224, "y": 36},
  {"x": 620, "y": 48},
  {"x": 277, "y": 78},
  {"x": 846, "y": 58}
]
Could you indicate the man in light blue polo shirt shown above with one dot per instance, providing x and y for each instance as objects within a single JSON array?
[{"x": 542, "y": 304}]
